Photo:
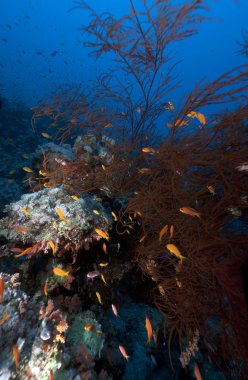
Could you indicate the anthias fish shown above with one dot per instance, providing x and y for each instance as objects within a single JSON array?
[
  {"x": 190, "y": 211},
  {"x": 60, "y": 272},
  {"x": 102, "y": 233},
  {"x": 148, "y": 329},
  {"x": 60, "y": 214},
  {"x": 173, "y": 249},
  {"x": 123, "y": 352}
]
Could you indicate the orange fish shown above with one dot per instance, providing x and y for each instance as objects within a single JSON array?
[
  {"x": 114, "y": 216},
  {"x": 145, "y": 171},
  {"x": 147, "y": 149},
  {"x": 148, "y": 329},
  {"x": 114, "y": 309},
  {"x": 60, "y": 214},
  {"x": 27, "y": 250},
  {"x": 16, "y": 355},
  {"x": 197, "y": 372},
  {"x": 139, "y": 109},
  {"x": 46, "y": 288},
  {"x": 211, "y": 190},
  {"x": 109, "y": 125},
  {"x": 21, "y": 229},
  {"x": 163, "y": 231},
  {"x": 171, "y": 231},
  {"x": 173, "y": 249},
  {"x": 104, "y": 247},
  {"x": 52, "y": 245},
  {"x": 75, "y": 198},
  {"x": 91, "y": 327},
  {"x": 5, "y": 317},
  {"x": 46, "y": 135},
  {"x": 25, "y": 211},
  {"x": 27, "y": 169},
  {"x": 123, "y": 352},
  {"x": 1, "y": 289},
  {"x": 96, "y": 212},
  {"x": 60, "y": 272},
  {"x": 102, "y": 233},
  {"x": 142, "y": 238},
  {"x": 51, "y": 377},
  {"x": 201, "y": 118},
  {"x": 85, "y": 354},
  {"x": 190, "y": 211}
]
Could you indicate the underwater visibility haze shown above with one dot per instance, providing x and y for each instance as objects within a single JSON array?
[{"x": 124, "y": 190}]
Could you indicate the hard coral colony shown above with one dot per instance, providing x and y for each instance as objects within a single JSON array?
[{"x": 122, "y": 223}]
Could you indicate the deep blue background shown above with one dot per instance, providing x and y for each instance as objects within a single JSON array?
[{"x": 44, "y": 46}]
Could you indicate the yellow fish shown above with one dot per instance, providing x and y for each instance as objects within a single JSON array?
[
  {"x": 27, "y": 169},
  {"x": 42, "y": 173},
  {"x": 46, "y": 135},
  {"x": 5, "y": 317},
  {"x": 99, "y": 297},
  {"x": 24, "y": 252},
  {"x": 60, "y": 214},
  {"x": 173, "y": 249},
  {"x": 114, "y": 216},
  {"x": 60, "y": 272},
  {"x": 52, "y": 245},
  {"x": 103, "y": 279},
  {"x": 26, "y": 211},
  {"x": 75, "y": 198},
  {"x": 96, "y": 212},
  {"x": 102, "y": 233},
  {"x": 103, "y": 264}
]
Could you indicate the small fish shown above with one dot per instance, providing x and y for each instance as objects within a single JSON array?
[
  {"x": 27, "y": 169},
  {"x": 99, "y": 297},
  {"x": 75, "y": 198},
  {"x": 93, "y": 274},
  {"x": 114, "y": 309},
  {"x": 46, "y": 135},
  {"x": 21, "y": 229},
  {"x": 42, "y": 173},
  {"x": 139, "y": 109},
  {"x": 109, "y": 125},
  {"x": 148, "y": 329},
  {"x": 91, "y": 327},
  {"x": 242, "y": 167},
  {"x": 5, "y": 317},
  {"x": 173, "y": 249},
  {"x": 169, "y": 106},
  {"x": 52, "y": 245},
  {"x": 103, "y": 265},
  {"x": 103, "y": 167},
  {"x": 211, "y": 190},
  {"x": 85, "y": 354},
  {"x": 25, "y": 211},
  {"x": 155, "y": 337},
  {"x": 149, "y": 150},
  {"x": 60, "y": 272},
  {"x": 47, "y": 184},
  {"x": 171, "y": 231},
  {"x": 46, "y": 288},
  {"x": 25, "y": 156},
  {"x": 192, "y": 114},
  {"x": 27, "y": 250},
  {"x": 12, "y": 171},
  {"x": 16, "y": 355},
  {"x": 103, "y": 279},
  {"x": 1, "y": 289},
  {"x": 102, "y": 233},
  {"x": 60, "y": 214},
  {"x": 145, "y": 170},
  {"x": 96, "y": 212},
  {"x": 162, "y": 232},
  {"x": 142, "y": 238},
  {"x": 104, "y": 247},
  {"x": 201, "y": 118},
  {"x": 190, "y": 211},
  {"x": 123, "y": 352},
  {"x": 51, "y": 377},
  {"x": 114, "y": 216},
  {"x": 197, "y": 372}
]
